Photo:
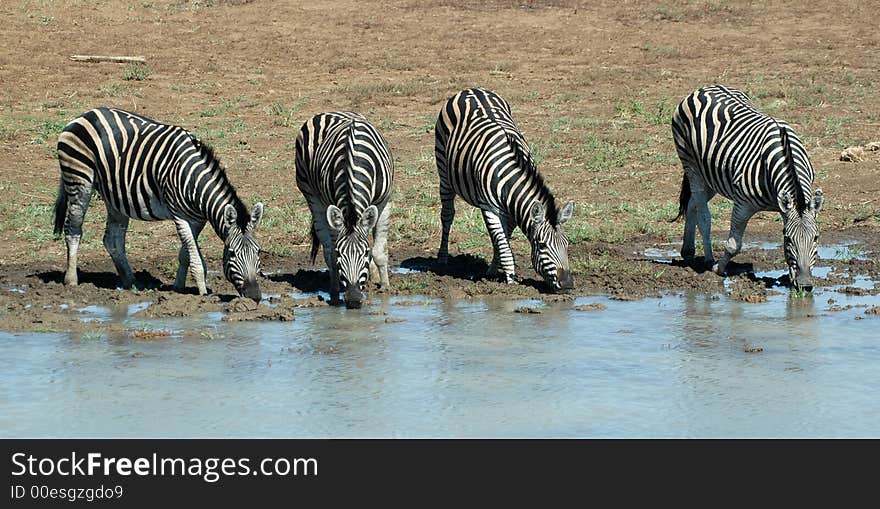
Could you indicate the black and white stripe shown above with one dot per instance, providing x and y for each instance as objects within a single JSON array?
[
  {"x": 482, "y": 157},
  {"x": 147, "y": 170},
  {"x": 345, "y": 171},
  {"x": 729, "y": 147}
]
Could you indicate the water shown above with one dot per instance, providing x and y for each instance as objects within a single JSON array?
[
  {"x": 845, "y": 250},
  {"x": 670, "y": 367}
]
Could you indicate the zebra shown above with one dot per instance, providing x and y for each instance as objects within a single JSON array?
[
  {"x": 483, "y": 157},
  {"x": 727, "y": 146},
  {"x": 147, "y": 170},
  {"x": 345, "y": 171}
]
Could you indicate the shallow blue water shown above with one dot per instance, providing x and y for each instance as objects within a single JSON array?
[{"x": 670, "y": 367}]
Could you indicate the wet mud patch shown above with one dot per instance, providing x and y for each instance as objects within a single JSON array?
[
  {"x": 595, "y": 306},
  {"x": 33, "y": 296},
  {"x": 243, "y": 309},
  {"x": 294, "y": 302},
  {"x": 146, "y": 333},
  {"x": 174, "y": 305},
  {"x": 747, "y": 289}
]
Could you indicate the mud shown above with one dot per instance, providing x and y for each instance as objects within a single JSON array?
[
  {"x": 260, "y": 80},
  {"x": 596, "y": 306},
  {"x": 33, "y": 297}
]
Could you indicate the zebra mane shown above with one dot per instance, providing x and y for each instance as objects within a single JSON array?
[
  {"x": 219, "y": 174},
  {"x": 348, "y": 210},
  {"x": 524, "y": 161},
  {"x": 800, "y": 196}
]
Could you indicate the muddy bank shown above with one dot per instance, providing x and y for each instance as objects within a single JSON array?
[{"x": 33, "y": 297}]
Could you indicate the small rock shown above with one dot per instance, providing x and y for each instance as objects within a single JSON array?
[
  {"x": 873, "y": 146},
  {"x": 852, "y": 154},
  {"x": 527, "y": 310},
  {"x": 595, "y": 306},
  {"x": 873, "y": 311},
  {"x": 241, "y": 304},
  {"x": 753, "y": 349},
  {"x": 754, "y": 299},
  {"x": 137, "y": 355},
  {"x": 391, "y": 319}
]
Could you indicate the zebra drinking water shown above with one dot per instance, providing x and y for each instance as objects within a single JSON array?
[
  {"x": 147, "y": 170},
  {"x": 727, "y": 146},
  {"x": 482, "y": 156},
  {"x": 345, "y": 172}
]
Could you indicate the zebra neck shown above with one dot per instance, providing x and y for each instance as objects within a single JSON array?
[
  {"x": 216, "y": 207},
  {"x": 524, "y": 217}
]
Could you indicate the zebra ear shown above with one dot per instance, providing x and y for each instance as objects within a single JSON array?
[
  {"x": 566, "y": 212},
  {"x": 369, "y": 217},
  {"x": 818, "y": 200},
  {"x": 334, "y": 217},
  {"x": 537, "y": 213},
  {"x": 229, "y": 214},
  {"x": 257, "y": 215},
  {"x": 786, "y": 203}
]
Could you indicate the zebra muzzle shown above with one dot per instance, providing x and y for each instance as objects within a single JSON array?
[
  {"x": 354, "y": 298},
  {"x": 564, "y": 281},
  {"x": 804, "y": 282},
  {"x": 252, "y": 291}
]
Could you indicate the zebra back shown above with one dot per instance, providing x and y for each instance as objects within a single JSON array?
[
  {"x": 742, "y": 153},
  {"x": 341, "y": 159},
  {"x": 145, "y": 169}
]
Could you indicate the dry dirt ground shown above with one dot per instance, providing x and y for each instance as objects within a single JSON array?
[{"x": 592, "y": 85}]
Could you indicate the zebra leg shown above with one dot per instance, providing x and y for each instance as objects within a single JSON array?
[
  {"x": 327, "y": 237},
  {"x": 114, "y": 242},
  {"x": 698, "y": 216},
  {"x": 447, "y": 214},
  {"x": 330, "y": 260},
  {"x": 738, "y": 221},
  {"x": 379, "y": 262},
  {"x": 77, "y": 205},
  {"x": 188, "y": 234},
  {"x": 502, "y": 257},
  {"x": 183, "y": 261}
]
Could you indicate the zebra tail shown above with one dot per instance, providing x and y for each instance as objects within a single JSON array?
[
  {"x": 315, "y": 243},
  {"x": 683, "y": 198},
  {"x": 60, "y": 209}
]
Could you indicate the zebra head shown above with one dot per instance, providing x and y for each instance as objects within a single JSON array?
[
  {"x": 801, "y": 238},
  {"x": 352, "y": 252},
  {"x": 550, "y": 246},
  {"x": 241, "y": 253}
]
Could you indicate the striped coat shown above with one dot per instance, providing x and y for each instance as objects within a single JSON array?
[
  {"x": 345, "y": 172},
  {"x": 727, "y": 146},
  {"x": 144, "y": 169},
  {"x": 483, "y": 158}
]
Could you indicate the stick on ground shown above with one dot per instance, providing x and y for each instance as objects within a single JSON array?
[{"x": 102, "y": 58}]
